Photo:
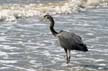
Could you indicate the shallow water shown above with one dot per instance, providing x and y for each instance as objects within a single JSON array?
[{"x": 28, "y": 45}]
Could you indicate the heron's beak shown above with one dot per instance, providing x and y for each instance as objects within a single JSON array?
[{"x": 42, "y": 19}]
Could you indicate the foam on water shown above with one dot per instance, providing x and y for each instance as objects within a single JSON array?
[
  {"x": 3, "y": 53},
  {"x": 3, "y": 38},
  {"x": 11, "y": 12},
  {"x": 46, "y": 53},
  {"x": 8, "y": 47},
  {"x": 99, "y": 60},
  {"x": 3, "y": 68},
  {"x": 8, "y": 61}
]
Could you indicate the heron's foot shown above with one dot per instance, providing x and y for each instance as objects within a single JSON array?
[
  {"x": 65, "y": 56},
  {"x": 68, "y": 59},
  {"x": 67, "y": 62}
]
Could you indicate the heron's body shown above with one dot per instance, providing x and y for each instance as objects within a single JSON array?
[{"x": 68, "y": 41}]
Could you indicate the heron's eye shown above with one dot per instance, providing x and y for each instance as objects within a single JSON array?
[{"x": 47, "y": 17}]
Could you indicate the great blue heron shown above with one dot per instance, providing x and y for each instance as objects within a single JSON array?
[{"x": 68, "y": 41}]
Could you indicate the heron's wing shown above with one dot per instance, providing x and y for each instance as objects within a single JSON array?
[
  {"x": 69, "y": 39},
  {"x": 77, "y": 39}
]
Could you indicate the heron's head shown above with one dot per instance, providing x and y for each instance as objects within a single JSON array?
[{"x": 48, "y": 19}]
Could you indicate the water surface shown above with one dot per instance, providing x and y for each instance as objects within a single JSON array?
[{"x": 28, "y": 45}]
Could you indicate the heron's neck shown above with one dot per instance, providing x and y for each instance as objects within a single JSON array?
[{"x": 52, "y": 28}]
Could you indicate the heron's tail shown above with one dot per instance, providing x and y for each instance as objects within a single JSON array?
[{"x": 82, "y": 47}]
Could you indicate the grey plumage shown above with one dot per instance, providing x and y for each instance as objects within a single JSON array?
[
  {"x": 71, "y": 41},
  {"x": 68, "y": 41}
]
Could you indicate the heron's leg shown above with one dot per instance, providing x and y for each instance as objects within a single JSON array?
[
  {"x": 66, "y": 55},
  {"x": 69, "y": 56}
]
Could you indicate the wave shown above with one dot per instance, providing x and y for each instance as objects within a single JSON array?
[{"x": 12, "y": 12}]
